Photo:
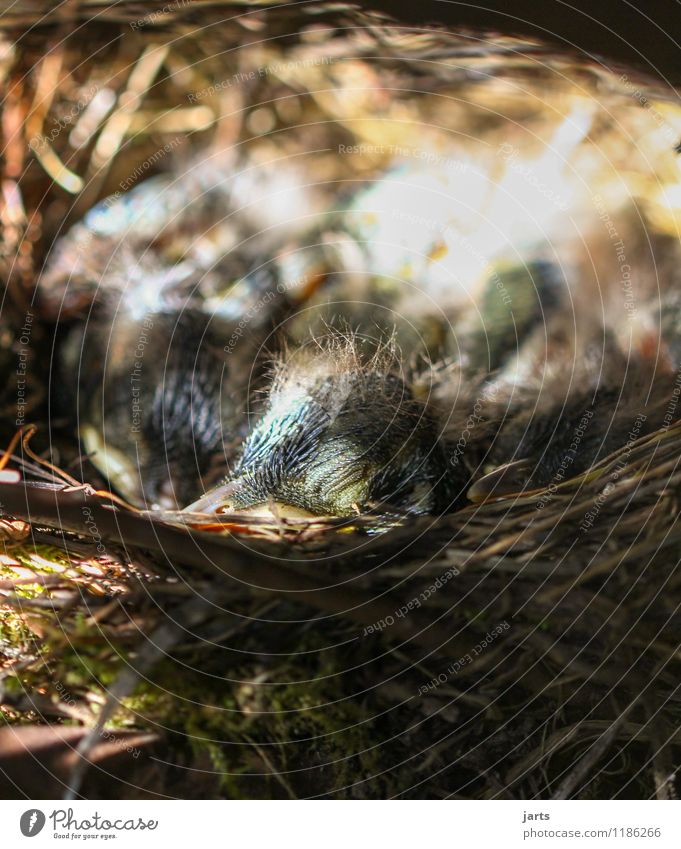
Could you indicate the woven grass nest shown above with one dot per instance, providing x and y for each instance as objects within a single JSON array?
[{"x": 525, "y": 647}]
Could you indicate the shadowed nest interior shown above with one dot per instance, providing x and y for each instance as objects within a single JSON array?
[{"x": 522, "y": 647}]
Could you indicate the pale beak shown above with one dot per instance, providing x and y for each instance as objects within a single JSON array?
[
  {"x": 218, "y": 500},
  {"x": 221, "y": 500}
]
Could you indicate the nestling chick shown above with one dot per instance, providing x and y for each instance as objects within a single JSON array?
[
  {"x": 339, "y": 436},
  {"x": 567, "y": 427},
  {"x": 157, "y": 399},
  {"x": 157, "y": 384}
]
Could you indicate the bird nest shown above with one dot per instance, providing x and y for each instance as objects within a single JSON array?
[{"x": 525, "y": 647}]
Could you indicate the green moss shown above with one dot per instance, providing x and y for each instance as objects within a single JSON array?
[
  {"x": 14, "y": 633},
  {"x": 25, "y": 554},
  {"x": 301, "y": 738}
]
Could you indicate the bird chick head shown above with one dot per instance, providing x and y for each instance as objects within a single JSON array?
[{"x": 339, "y": 434}]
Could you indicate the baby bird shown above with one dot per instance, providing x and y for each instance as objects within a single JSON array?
[
  {"x": 157, "y": 383},
  {"x": 155, "y": 397},
  {"x": 562, "y": 428},
  {"x": 339, "y": 435}
]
